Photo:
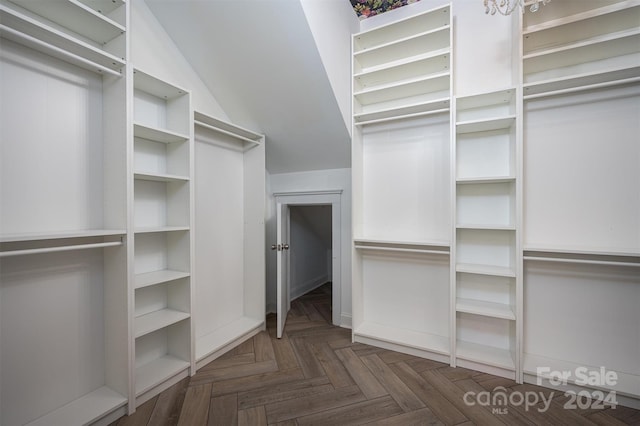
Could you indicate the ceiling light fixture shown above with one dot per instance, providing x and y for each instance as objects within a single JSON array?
[{"x": 506, "y": 7}]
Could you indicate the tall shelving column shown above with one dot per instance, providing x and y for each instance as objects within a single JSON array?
[
  {"x": 486, "y": 282},
  {"x": 230, "y": 242},
  {"x": 580, "y": 72},
  {"x": 400, "y": 168},
  {"x": 63, "y": 242},
  {"x": 162, "y": 225}
]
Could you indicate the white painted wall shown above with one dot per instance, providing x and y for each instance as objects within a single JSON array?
[
  {"x": 153, "y": 51},
  {"x": 334, "y": 45},
  {"x": 317, "y": 180},
  {"x": 309, "y": 241}
]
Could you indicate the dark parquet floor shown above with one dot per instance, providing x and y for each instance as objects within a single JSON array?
[{"x": 315, "y": 375}]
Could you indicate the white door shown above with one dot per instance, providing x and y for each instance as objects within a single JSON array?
[{"x": 282, "y": 246}]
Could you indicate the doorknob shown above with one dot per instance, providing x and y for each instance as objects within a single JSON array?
[
  {"x": 285, "y": 247},
  {"x": 276, "y": 247}
]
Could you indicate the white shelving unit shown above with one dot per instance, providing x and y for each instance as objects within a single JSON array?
[
  {"x": 581, "y": 66},
  {"x": 230, "y": 242},
  {"x": 485, "y": 278},
  {"x": 162, "y": 222},
  {"x": 63, "y": 257},
  {"x": 584, "y": 45},
  {"x": 401, "y": 121},
  {"x": 403, "y": 69},
  {"x": 72, "y": 31}
]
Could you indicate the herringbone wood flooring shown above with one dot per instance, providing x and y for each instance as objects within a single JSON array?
[{"x": 315, "y": 375}]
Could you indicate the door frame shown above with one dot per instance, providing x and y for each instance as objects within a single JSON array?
[{"x": 326, "y": 197}]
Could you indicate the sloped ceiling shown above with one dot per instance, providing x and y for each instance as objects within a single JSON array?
[{"x": 259, "y": 59}]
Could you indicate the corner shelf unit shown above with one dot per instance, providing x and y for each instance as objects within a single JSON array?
[
  {"x": 230, "y": 262},
  {"x": 63, "y": 251},
  {"x": 581, "y": 47},
  {"x": 162, "y": 221},
  {"x": 485, "y": 280}
]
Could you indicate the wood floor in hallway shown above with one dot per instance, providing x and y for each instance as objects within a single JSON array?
[{"x": 315, "y": 375}]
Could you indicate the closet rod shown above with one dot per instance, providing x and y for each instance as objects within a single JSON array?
[
  {"x": 582, "y": 88},
  {"x": 406, "y": 250},
  {"x": 226, "y": 132},
  {"x": 59, "y": 248},
  {"x": 58, "y": 50},
  {"x": 583, "y": 261}
]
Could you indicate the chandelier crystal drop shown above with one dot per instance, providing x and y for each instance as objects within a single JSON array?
[{"x": 506, "y": 7}]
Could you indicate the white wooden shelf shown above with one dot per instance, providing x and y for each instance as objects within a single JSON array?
[
  {"x": 146, "y": 83},
  {"x": 157, "y": 134},
  {"x": 377, "y": 242},
  {"x": 160, "y": 177},
  {"x": 581, "y": 16},
  {"x": 226, "y": 128},
  {"x": 484, "y": 308},
  {"x": 62, "y": 235},
  {"x": 218, "y": 339},
  {"x": 582, "y": 81},
  {"x": 404, "y": 89},
  {"x": 77, "y": 17},
  {"x": 430, "y": 63},
  {"x": 497, "y": 271},
  {"x": 488, "y": 227},
  {"x": 85, "y": 410},
  {"x": 158, "y": 277},
  {"x": 148, "y": 323},
  {"x": 155, "y": 229},
  {"x": 487, "y": 355},
  {"x": 485, "y": 179},
  {"x": 428, "y": 20},
  {"x": 438, "y": 106},
  {"x": 404, "y": 337},
  {"x": 484, "y": 100},
  {"x": 485, "y": 125},
  {"x": 586, "y": 48},
  {"x": 406, "y": 47},
  {"x": 157, "y": 371},
  {"x": 25, "y": 30},
  {"x": 104, "y": 7},
  {"x": 587, "y": 251}
]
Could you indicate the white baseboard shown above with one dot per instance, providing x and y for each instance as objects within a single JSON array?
[{"x": 345, "y": 321}]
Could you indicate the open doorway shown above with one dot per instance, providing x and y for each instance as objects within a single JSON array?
[
  {"x": 284, "y": 204},
  {"x": 311, "y": 261}
]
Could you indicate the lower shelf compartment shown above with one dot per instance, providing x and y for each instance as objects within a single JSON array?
[
  {"x": 84, "y": 410},
  {"x": 483, "y": 354},
  {"x": 221, "y": 337},
  {"x": 157, "y": 371},
  {"x": 488, "y": 309},
  {"x": 409, "y": 338}
]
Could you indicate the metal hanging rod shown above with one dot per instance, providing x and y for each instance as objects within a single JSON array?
[{"x": 59, "y": 249}]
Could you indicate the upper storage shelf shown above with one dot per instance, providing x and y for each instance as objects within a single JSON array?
[
  {"x": 404, "y": 29},
  {"x": 98, "y": 44},
  {"x": 403, "y": 69},
  {"x": 100, "y": 21},
  {"x": 161, "y": 110},
  {"x": 248, "y": 138},
  {"x": 581, "y": 47}
]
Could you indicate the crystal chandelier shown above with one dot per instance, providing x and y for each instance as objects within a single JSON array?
[{"x": 505, "y": 7}]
